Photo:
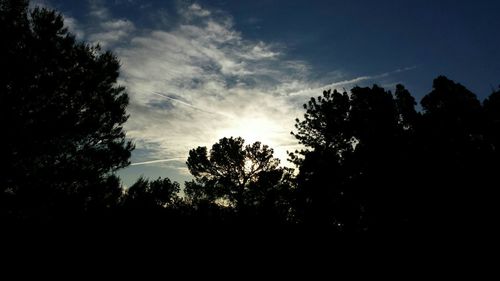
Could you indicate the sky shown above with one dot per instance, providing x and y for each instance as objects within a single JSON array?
[{"x": 197, "y": 71}]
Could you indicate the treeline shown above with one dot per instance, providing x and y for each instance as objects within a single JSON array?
[{"x": 371, "y": 162}]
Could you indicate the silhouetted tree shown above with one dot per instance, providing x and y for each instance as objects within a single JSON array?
[
  {"x": 492, "y": 114},
  {"x": 455, "y": 149},
  {"x": 246, "y": 178},
  {"x": 61, "y": 114},
  {"x": 153, "y": 203},
  {"x": 374, "y": 163},
  {"x": 354, "y": 142},
  {"x": 491, "y": 161},
  {"x": 325, "y": 131},
  {"x": 146, "y": 194},
  {"x": 371, "y": 160},
  {"x": 406, "y": 103}
]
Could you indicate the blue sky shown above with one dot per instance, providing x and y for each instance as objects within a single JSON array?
[{"x": 197, "y": 71}]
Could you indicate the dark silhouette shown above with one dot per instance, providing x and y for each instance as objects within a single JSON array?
[
  {"x": 149, "y": 202},
  {"x": 371, "y": 162},
  {"x": 61, "y": 114},
  {"x": 354, "y": 143},
  {"x": 457, "y": 157},
  {"x": 374, "y": 163},
  {"x": 146, "y": 194},
  {"x": 244, "y": 178}
]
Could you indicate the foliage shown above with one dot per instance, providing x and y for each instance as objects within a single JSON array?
[
  {"x": 247, "y": 178},
  {"x": 148, "y": 194},
  {"x": 374, "y": 163},
  {"x": 61, "y": 113}
]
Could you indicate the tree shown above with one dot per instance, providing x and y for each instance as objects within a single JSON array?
[
  {"x": 456, "y": 154},
  {"x": 328, "y": 138},
  {"x": 353, "y": 144},
  {"x": 492, "y": 115},
  {"x": 61, "y": 113},
  {"x": 156, "y": 194},
  {"x": 374, "y": 163},
  {"x": 152, "y": 203},
  {"x": 405, "y": 104},
  {"x": 491, "y": 160},
  {"x": 246, "y": 178}
]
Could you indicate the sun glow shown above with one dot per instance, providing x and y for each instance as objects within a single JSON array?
[{"x": 252, "y": 129}]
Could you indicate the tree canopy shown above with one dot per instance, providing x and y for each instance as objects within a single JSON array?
[
  {"x": 371, "y": 161},
  {"x": 62, "y": 114},
  {"x": 145, "y": 194},
  {"x": 247, "y": 178}
]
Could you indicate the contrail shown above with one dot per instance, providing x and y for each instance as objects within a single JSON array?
[
  {"x": 356, "y": 80},
  {"x": 188, "y": 104},
  {"x": 363, "y": 78},
  {"x": 158, "y": 161}
]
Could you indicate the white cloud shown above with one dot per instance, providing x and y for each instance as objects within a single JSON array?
[
  {"x": 261, "y": 51},
  {"x": 40, "y": 3},
  {"x": 201, "y": 80},
  {"x": 157, "y": 161},
  {"x": 118, "y": 24},
  {"x": 99, "y": 27},
  {"x": 98, "y": 10},
  {"x": 352, "y": 82},
  {"x": 112, "y": 31},
  {"x": 194, "y": 10},
  {"x": 74, "y": 27}
]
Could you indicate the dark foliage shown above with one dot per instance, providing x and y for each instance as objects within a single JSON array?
[
  {"x": 245, "y": 179},
  {"x": 457, "y": 157},
  {"x": 354, "y": 142},
  {"x": 61, "y": 114},
  {"x": 371, "y": 162},
  {"x": 374, "y": 163},
  {"x": 156, "y": 194}
]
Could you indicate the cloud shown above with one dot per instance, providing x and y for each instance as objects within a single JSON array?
[
  {"x": 112, "y": 32},
  {"x": 40, "y": 3},
  {"x": 74, "y": 27},
  {"x": 101, "y": 27},
  {"x": 350, "y": 82},
  {"x": 198, "y": 79},
  {"x": 158, "y": 161},
  {"x": 373, "y": 77},
  {"x": 178, "y": 100},
  {"x": 98, "y": 10},
  {"x": 193, "y": 11},
  {"x": 214, "y": 83}
]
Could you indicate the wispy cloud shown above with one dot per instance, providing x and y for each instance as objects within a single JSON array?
[
  {"x": 100, "y": 26},
  {"x": 198, "y": 79},
  {"x": 112, "y": 31},
  {"x": 40, "y": 3},
  {"x": 216, "y": 83},
  {"x": 351, "y": 82},
  {"x": 158, "y": 161},
  {"x": 74, "y": 27},
  {"x": 188, "y": 104},
  {"x": 194, "y": 10},
  {"x": 373, "y": 77},
  {"x": 98, "y": 10}
]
